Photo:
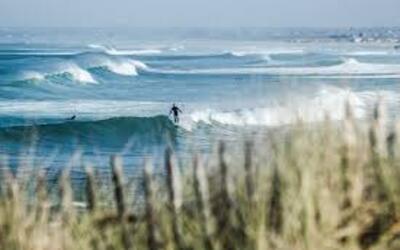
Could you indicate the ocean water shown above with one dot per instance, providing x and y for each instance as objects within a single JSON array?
[{"x": 229, "y": 84}]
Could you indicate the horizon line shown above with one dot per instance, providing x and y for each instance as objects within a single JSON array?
[{"x": 202, "y": 27}]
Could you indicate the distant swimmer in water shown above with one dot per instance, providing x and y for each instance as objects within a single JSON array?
[
  {"x": 175, "y": 111},
  {"x": 72, "y": 118}
]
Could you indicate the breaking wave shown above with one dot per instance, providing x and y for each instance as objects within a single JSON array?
[
  {"x": 115, "y": 130},
  {"x": 122, "y": 67},
  {"x": 118, "y": 52},
  {"x": 267, "y": 53},
  {"x": 80, "y": 73},
  {"x": 329, "y": 101},
  {"x": 69, "y": 70},
  {"x": 349, "y": 67}
]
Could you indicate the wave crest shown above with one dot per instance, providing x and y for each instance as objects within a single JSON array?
[
  {"x": 31, "y": 76},
  {"x": 349, "y": 67},
  {"x": 128, "y": 67},
  {"x": 327, "y": 101},
  {"x": 70, "y": 70},
  {"x": 114, "y": 130},
  {"x": 78, "y": 74},
  {"x": 117, "y": 52}
]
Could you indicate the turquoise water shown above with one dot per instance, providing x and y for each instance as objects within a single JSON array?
[{"x": 120, "y": 86}]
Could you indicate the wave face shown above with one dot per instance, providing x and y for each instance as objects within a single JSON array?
[{"x": 114, "y": 132}]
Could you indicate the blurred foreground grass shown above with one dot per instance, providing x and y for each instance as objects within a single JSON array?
[{"x": 329, "y": 186}]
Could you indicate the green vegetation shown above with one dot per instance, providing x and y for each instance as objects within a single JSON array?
[{"x": 329, "y": 186}]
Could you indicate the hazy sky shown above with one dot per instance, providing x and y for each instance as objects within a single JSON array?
[{"x": 186, "y": 13}]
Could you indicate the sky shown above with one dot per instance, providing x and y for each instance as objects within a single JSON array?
[{"x": 199, "y": 13}]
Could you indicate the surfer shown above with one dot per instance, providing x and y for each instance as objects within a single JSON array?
[{"x": 175, "y": 111}]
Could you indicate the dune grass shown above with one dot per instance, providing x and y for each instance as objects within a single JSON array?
[{"x": 329, "y": 186}]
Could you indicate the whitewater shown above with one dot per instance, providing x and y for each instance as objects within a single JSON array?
[{"x": 121, "y": 90}]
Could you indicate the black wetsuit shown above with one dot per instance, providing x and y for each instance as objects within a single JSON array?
[{"x": 175, "y": 110}]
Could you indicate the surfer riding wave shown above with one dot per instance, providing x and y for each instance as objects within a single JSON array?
[{"x": 175, "y": 111}]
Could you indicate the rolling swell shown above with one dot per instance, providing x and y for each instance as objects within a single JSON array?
[{"x": 114, "y": 132}]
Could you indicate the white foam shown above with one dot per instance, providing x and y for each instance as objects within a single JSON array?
[
  {"x": 95, "y": 46},
  {"x": 127, "y": 67},
  {"x": 123, "y": 68},
  {"x": 327, "y": 101},
  {"x": 74, "y": 71},
  {"x": 263, "y": 52},
  {"x": 32, "y": 75},
  {"x": 117, "y": 52},
  {"x": 262, "y": 56},
  {"x": 120, "y": 66},
  {"x": 77, "y": 73},
  {"x": 177, "y": 48}
]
